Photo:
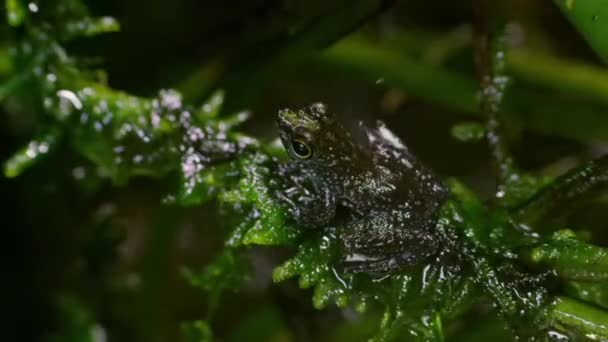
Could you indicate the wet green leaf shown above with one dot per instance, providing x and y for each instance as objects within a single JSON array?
[
  {"x": 77, "y": 323},
  {"x": 589, "y": 17},
  {"x": 88, "y": 27},
  {"x": 468, "y": 132},
  {"x": 228, "y": 272},
  {"x": 589, "y": 291},
  {"x": 35, "y": 150},
  {"x": 15, "y": 12},
  {"x": 572, "y": 259}
]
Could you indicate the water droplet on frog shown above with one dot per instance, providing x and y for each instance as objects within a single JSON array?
[
  {"x": 595, "y": 18},
  {"x": 380, "y": 80},
  {"x": 325, "y": 243}
]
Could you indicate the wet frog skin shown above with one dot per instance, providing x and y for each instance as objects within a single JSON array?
[{"x": 391, "y": 199}]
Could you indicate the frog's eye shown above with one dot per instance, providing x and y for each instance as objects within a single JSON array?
[{"x": 301, "y": 149}]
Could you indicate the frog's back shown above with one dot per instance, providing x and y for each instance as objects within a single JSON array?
[{"x": 412, "y": 184}]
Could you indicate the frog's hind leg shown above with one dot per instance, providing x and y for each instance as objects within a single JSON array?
[
  {"x": 359, "y": 263},
  {"x": 386, "y": 242}
]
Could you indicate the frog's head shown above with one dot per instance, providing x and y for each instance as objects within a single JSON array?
[{"x": 312, "y": 134}]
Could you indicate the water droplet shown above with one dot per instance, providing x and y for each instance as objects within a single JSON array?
[
  {"x": 170, "y": 99},
  {"x": 68, "y": 101},
  {"x": 51, "y": 78},
  {"x": 43, "y": 148},
  {"x": 169, "y": 199},
  {"x": 33, "y": 7},
  {"x": 79, "y": 173},
  {"x": 595, "y": 18},
  {"x": 98, "y": 126}
]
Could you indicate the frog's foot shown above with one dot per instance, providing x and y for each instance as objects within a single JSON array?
[
  {"x": 307, "y": 199},
  {"x": 306, "y": 211}
]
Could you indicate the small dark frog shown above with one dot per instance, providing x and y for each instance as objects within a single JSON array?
[{"x": 391, "y": 200}]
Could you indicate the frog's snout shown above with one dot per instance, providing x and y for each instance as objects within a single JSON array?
[
  {"x": 285, "y": 119},
  {"x": 290, "y": 121}
]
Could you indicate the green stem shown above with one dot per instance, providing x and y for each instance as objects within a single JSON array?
[
  {"x": 590, "y": 292},
  {"x": 571, "y": 259},
  {"x": 559, "y": 197},
  {"x": 154, "y": 272},
  {"x": 572, "y": 78},
  {"x": 490, "y": 51},
  {"x": 570, "y": 315}
]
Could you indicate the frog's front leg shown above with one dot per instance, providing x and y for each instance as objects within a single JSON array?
[
  {"x": 309, "y": 201},
  {"x": 385, "y": 242}
]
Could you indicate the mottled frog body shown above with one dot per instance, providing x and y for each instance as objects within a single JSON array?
[{"x": 391, "y": 199}]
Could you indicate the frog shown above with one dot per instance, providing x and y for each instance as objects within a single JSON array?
[{"x": 388, "y": 200}]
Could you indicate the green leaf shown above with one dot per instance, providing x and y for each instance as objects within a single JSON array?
[
  {"x": 227, "y": 272},
  {"x": 590, "y": 18},
  {"x": 579, "y": 320},
  {"x": 268, "y": 224},
  {"x": 88, "y": 27},
  {"x": 15, "y": 12},
  {"x": 468, "y": 132},
  {"x": 35, "y": 151},
  {"x": 76, "y": 323},
  {"x": 572, "y": 259},
  {"x": 196, "y": 331},
  {"x": 590, "y": 292}
]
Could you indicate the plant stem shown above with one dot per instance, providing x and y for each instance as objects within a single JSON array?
[
  {"x": 560, "y": 196},
  {"x": 491, "y": 72},
  {"x": 568, "y": 315},
  {"x": 575, "y": 79}
]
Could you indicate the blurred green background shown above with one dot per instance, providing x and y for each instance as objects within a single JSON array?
[{"x": 82, "y": 250}]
